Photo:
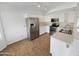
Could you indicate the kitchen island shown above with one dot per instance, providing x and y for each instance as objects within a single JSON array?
[{"x": 60, "y": 44}]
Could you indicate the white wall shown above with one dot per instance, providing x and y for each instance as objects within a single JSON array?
[
  {"x": 57, "y": 14},
  {"x": 14, "y": 24},
  {"x": 65, "y": 16},
  {"x": 3, "y": 43},
  {"x": 77, "y": 32}
]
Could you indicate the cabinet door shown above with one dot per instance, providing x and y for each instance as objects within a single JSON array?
[
  {"x": 75, "y": 48},
  {"x": 59, "y": 48}
]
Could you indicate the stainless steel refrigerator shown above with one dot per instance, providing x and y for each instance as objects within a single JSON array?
[{"x": 32, "y": 24}]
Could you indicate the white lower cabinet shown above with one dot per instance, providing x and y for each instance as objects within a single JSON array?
[
  {"x": 75, "y": 49},
  {"x": 59, "y": 48}
]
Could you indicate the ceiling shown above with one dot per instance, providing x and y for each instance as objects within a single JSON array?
[{"x": 37, "y": 7}]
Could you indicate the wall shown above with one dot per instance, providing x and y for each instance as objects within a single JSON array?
[
  {"x": 65, "y": 16},
  {"x": 77, "y": 32},
  {"x": 57, "y": 14},
  {"x": 3, "y": 41},
  {"x": 69, "y": 16},
  {"x": 14, "y": 24}
]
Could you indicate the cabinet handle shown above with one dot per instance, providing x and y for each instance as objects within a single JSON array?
[{"x": 67, "y": 45}]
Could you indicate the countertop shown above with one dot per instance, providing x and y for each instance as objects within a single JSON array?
[{"x": 63, "y": 37}]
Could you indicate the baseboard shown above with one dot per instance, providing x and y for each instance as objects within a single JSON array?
[
  {"x": 15, "y": 41},
  {"x": 44, "y": 33},
  {"x": 3, "y": 48},
  {"x": 23, "y": 39}
]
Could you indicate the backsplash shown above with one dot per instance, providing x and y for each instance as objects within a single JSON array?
[{"x": 68, "y": 29}]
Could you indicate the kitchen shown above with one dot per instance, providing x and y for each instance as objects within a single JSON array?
[{"x": 60, "y": 23}]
